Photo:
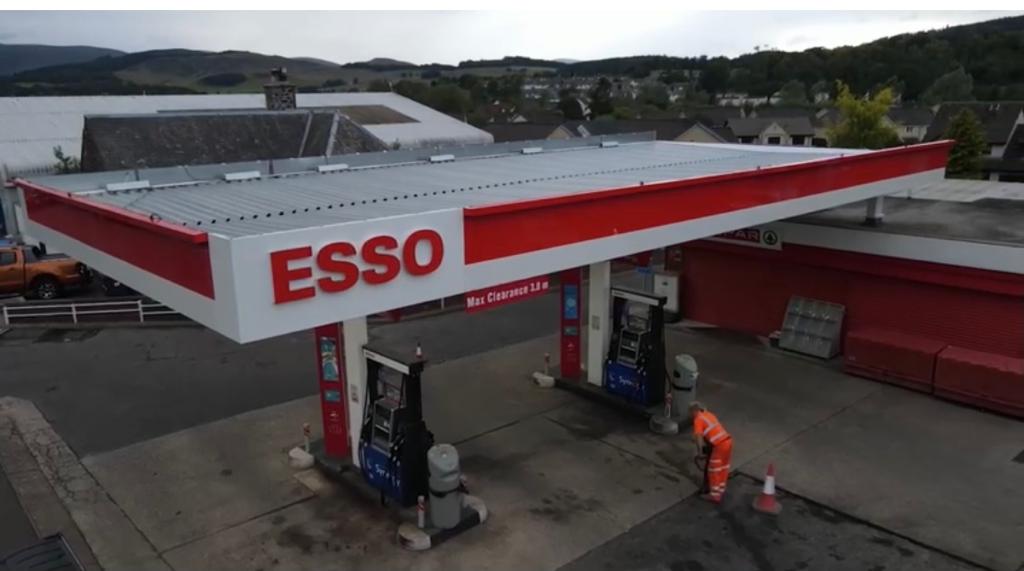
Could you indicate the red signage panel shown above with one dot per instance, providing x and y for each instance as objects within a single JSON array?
[
  {"x": 330, "y": 366},
  {"x": 569, "y": 335},
  {"x": 504, "y": 294}
]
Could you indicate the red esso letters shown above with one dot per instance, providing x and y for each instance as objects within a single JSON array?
[{"x": 382, "y": 256}]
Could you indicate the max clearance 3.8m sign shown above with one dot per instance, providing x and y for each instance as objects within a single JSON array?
[{"x": 504, "y": 294}]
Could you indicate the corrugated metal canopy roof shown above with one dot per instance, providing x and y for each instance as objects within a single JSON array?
[{"x": 375, "y": 190}]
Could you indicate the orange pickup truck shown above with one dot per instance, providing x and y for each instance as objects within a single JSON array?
[{"x": 26, "y": 271}]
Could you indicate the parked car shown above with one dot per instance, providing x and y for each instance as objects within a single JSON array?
[
  {"x": 28, "y": 271},
  {"x": 114, "y": 288}
]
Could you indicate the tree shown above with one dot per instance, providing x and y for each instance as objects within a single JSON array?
[
  {"x": 793, "y": 92},
  {"x": 65, "y": 164},
  {"x": 505, "y": 88},
  {"x": 655, "y": 94},
  {"x": 623, "y": 112},
  {"x": 449, "y": 98},
  {"x": 965, "y": 158},
  {"x": 569, "y": 104},
  {"x": 715, "y": 77},
  {"x": 415, "y": 90},
  {"x": 957, "y": 85},
  {"x": 601, "y": 98},
  {"x": 821, "y": 90},
  {"x": 379, "y": 85},
  {"x": 896, "y": 85},
  {"x": 468, "y": 81},
  {"x": 861, "y": 124}
]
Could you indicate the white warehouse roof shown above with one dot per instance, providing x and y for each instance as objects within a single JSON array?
[{"x": 30, "y": 127}]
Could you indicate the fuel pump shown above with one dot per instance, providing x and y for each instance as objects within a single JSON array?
[
  {"x": 394, "y": 439},
  {"x": 635, "y": 364}
]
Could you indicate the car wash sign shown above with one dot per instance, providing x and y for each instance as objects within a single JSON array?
[
  {"x": 506, "y": 293},
  {"x": 757, "y": 236}
]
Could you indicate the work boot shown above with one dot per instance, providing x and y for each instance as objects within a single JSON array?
[{"x": 710, "y": 498}]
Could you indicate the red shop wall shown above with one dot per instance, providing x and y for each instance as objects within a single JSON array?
[{"x": 748, "y": 291}]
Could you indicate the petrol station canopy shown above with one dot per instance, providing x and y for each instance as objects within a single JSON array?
[{"x": 260, "y": 249}]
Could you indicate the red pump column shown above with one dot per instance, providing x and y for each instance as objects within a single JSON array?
[{"x": 330, "y": 365}]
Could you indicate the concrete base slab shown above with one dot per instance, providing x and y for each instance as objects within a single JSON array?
[
  {"x": 938, "y": 473},
  {"x": 540, "y": 482},
  {"x": 414, "y": 538},
  {"x": 475, "y": 394},
  {"x": 183, "y": 486},
  {"x": 765, "y": 397}
]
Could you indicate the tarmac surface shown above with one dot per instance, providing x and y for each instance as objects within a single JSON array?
[
  {"x": 149, "y": 382},
  {"x": 696, "y": 536}
]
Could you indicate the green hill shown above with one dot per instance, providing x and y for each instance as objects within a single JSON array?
[
  {"x": 170, "y": 71},
  {"x": 991, "y": 52},
  {"x": 22, "y": 57}
]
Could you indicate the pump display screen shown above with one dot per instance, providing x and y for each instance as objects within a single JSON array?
[
  {"x": 636, "y": 316},
  {"x": 389, "y": 384}
]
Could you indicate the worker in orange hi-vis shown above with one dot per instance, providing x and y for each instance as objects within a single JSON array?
[{"x": 715, "y": 443}]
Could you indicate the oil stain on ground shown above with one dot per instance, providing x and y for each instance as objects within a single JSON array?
[
  {"x": 295, "y": 536},
  {"x": 563, "y": 504}
]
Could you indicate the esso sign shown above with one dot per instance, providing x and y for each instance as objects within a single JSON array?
[{"x": 342, "y": 265}]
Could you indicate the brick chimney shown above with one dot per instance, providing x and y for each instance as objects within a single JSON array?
[{"x": 280, "y": 94}]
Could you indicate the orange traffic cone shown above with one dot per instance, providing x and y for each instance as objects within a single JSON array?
[
  {"x": 419, "y": 351},
  {"x": 766, "y": 503}
]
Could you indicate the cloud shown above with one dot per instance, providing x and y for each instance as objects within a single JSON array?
[{"x": 449, "y": 37}]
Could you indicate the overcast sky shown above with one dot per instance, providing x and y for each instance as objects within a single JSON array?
[{"x": 449, "y": 37}]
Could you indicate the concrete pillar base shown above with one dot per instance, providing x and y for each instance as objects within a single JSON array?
[
  {"x": 411, "y": 537},
  {"x": 664, "y": 425}
]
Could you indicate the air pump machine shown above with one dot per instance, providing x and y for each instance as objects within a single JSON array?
[
  {"x": 635, "y": 364},
  {"x": 394, "y": 439}
]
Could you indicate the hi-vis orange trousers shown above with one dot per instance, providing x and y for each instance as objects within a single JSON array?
[{"x": 718, "y": 468}]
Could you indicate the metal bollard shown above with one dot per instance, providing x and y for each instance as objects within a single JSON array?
[
  {"x": 305, "y": 435},
  {"x": 421, "y": 512}
]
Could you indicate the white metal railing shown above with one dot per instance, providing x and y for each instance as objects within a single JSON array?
[{"x": 85, "y": 311}]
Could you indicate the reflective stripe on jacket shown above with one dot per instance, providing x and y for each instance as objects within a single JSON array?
[{"x": 706, "y": 424}]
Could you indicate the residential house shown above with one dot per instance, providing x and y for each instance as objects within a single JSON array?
[
  {"x": 505, "y": 132},
  {"x": 1009, "y": 167},
  {"x": 824, "y": 119},
  {"x": 115, "y": 142},
  {"x": 1001, "y": 122},
  {"x": 739, "y": 99},
  {"x": 910, "y": 122},
  {"x": 677, "y": 91},
  {"x": 716, "y": 117},
  {"x": 791, "y": 131},
  {"x": 781, "y": 112},
  {"x": 683, "y": 130}
]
